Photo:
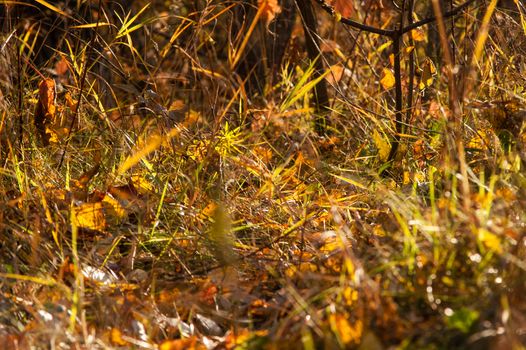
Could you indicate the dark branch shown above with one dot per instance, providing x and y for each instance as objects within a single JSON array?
[
  {"x": 390, "y": 32},
  {"x": 428, "y": 20},
  {"x": 329, "y": 9}
]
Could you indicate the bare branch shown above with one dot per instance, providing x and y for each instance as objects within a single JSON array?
[
  {"x": 329, "y": 9},
  {"x": 391, "y": 32},
  {"x": 431, "y": 19}
]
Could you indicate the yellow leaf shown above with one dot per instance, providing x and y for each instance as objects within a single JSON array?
[
  {"x": 490, "y": 240},
  {"x": 347, "y": 332},
  {"x": 70, "y": 102},
  {"x": 350, "y": 181},
  {"x": 142, "y": 184},
  {"x": 388, "y": 79},
  {"x": 90, "y": 216},
  {"x": 428, "y": 72},
  {"x": 113, "y": 208},
  {"x": 384, "y": 147},
  {"x": 350, "y": 295},
  {"x": 209, "y": 210},
  {"x": 418, "y": 34},
  {"x": 116, "y": 337}
]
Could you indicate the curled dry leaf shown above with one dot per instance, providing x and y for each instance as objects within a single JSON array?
[{"x": 46, "y": 108}]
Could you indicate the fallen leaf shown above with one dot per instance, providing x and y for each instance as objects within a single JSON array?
[{"x": 90, "y": 216}]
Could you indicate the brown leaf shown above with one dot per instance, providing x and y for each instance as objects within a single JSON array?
[
  {"x": 62, "y": 66},
  {"x": 86, "y": 177},
  {"x": 46, "y": 108}
]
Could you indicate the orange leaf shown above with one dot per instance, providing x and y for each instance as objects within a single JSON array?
[
  {"x": 418, "y": 34},
  {"x": 269, "y": 9},
  {"x": 62, "y": 66},
  {"x": 181, "y": 344},
  {"x": 70, "y": 102},
  {"x": 116, "y": 337},
  {"x": 343, "y": 7},
  {"x": 349, "y": 333}
]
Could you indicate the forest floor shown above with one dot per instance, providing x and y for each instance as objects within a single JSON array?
[{"x": 151, "y": 198}]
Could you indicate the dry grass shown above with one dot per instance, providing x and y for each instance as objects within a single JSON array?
[{"x": 176, "y": 208}]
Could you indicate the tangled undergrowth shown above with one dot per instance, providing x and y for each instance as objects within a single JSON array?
[{"x": 152, "y": 197}]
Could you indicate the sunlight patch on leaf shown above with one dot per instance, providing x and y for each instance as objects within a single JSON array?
[
  {"x": 113, "y": 208},
  {"x": 143, "y": 183}
]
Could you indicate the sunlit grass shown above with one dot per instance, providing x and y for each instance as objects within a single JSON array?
[{"x": 174, "y": 204}]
